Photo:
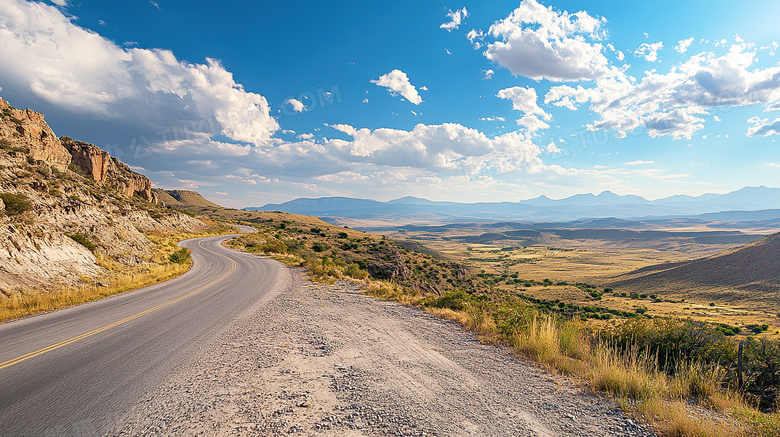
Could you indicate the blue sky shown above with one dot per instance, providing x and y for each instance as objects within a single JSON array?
[{"x": 251, "y": 102}]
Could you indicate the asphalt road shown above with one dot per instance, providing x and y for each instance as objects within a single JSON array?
[{"x": 72, "y": 372}]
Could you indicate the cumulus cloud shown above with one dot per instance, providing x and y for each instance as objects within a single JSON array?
[
  {"x": 675, "y": 102},
  {"x": 524, "y": 99},
  {"x": 440, "y": 147},
  {"x": 488, "y": 74},
  {"x": 397, "y": 82},
  {"x": 43, "y": 52},
  {"x": 542, "y": 43},
  {"x": 456, "y": 18},
  {"x": 532, "y": 123},
  {"x": 682, "y": 46},
  {"x": 649, "y": 51},
  {"x": 296, "y": 105},
  {"x": 763, "y": 127}
]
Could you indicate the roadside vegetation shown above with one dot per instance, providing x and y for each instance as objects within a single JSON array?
[
  {"x": 677, "y": 374},
  {"x": 167, "y": 262}
]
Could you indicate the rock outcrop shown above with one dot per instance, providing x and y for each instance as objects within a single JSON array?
[
  {"x": 27, "y": 127},
  {"x": 66, "y": 208},
  {"x": 108, "y": 170},
  {"x": 390, "y": 267}
]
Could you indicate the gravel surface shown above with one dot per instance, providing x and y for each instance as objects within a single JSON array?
[{"x": 328, "y": 360}]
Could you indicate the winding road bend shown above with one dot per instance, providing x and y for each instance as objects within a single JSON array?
[{"x": 72, "y": 371}]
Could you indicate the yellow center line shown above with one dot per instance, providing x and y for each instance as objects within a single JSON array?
[{"x": 25, "y": 357}]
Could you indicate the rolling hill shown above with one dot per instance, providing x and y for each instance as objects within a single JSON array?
[{"x": 750, "y": 272}]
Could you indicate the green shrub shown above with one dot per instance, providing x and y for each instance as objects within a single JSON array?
[
  {"x": 84, "y": 241},
  {"x": 186, "y": 212},
  {"x": 181, "y": 256},
  {"x": 354, "y": 271},
  {"x": 15, "y": 204},
  {"x": 319, "y": 246}
]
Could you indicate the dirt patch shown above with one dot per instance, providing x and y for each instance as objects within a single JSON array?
[{"x": 328, "y": 360}]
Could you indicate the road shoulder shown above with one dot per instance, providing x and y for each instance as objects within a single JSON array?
[{"x": 329, "y": 360}]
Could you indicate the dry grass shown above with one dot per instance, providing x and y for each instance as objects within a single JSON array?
[
  {"x": 35, "y": 301},
  {"x": 117, "y": 278},
  {"x": 690, "y": 403}
]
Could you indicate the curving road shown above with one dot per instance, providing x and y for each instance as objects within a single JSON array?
[{"x": 72, "y": 371}]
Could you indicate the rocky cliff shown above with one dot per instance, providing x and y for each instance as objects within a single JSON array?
[
  {"x": 68, "y": 207},
  {"x": 28, "y": 128},
  {"x": 108, "y": 170}
]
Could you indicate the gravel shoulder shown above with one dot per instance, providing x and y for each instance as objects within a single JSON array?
[{"x": 328, "y": 360}]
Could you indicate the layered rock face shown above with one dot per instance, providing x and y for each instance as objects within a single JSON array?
[
  {"x": 108, "y": 170},
  {"x": 57, "y": 225},
  {"x": 29, "y": 128}
]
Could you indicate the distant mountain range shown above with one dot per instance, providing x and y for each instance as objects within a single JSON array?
[{"x": 542, "y": 208}]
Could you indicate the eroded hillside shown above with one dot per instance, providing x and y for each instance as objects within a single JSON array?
[{"x": 68, "y": 207}]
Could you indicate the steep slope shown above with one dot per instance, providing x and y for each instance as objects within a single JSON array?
[{"x": 68, "y": 206}]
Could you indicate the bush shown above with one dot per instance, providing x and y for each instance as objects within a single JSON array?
[
  {"x": 354, "y": 271},
  {"x": 454, "y": 300},
  {"x": 84, "y": 241},
  {"x": 15, "y": 204},
  {"x": 319, "y": 247},
  {"x": 181, "y": 256}
]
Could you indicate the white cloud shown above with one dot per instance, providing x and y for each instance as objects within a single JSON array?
[
  {"x": 763, "y": 127},
  {"x": 682, "y": 46},
  {"x": 649, "y": 51},
  {"x": 523, "y": 99},
  {"x": 488, "y": 74},
  {"x": 60, "y": 3},
  {"x": 493, "y": 118},
  {"x": 640, "y": 162},
  {"x": 443, "y": 148},
  {"x": 456, "y": 18},
  {"x": 297, "y": 105},
  {"x": 542, "y": 43},
  {"x": 675, "y": 102},
  {"x": 155, "y": 4},
  {"x": 476, "y": 37},
  {"x": 532, "y": 123},
  {"x": 44, "y": 53},
  {"x": 396, "y": 81},
  {"x": 773, "y": 107},
  {"x": 568, "y": 97}
]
